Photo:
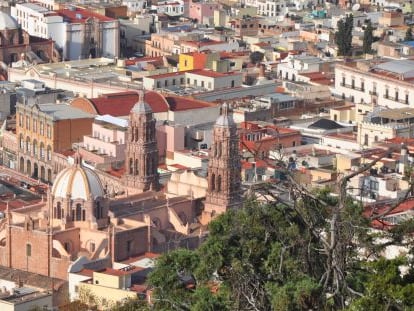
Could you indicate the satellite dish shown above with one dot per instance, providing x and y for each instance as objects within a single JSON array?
[{"x": 356, "y": 7}]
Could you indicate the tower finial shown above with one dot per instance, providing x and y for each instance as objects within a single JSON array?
[{"x": 141, "y": 94}]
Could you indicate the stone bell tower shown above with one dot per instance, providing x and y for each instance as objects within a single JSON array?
[
  {"x": 141, "y": 158},
  {"x": 224, "y": 168}
]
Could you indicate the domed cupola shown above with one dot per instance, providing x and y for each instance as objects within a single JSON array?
[
  {"x": 77, "y": 182},
  {"x": 7, "y": 22},
  {"x": 77, "y": 198}
]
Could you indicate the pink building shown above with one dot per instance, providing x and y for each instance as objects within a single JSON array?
[
  {"x": 203, "y": 12},
  {"x": 106, "y": 146}
]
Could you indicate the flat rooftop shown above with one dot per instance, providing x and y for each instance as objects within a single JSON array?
[{"x": 396, "y": 114}]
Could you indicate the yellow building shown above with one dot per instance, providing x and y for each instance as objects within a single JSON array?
[
  {"x": 109, "y": 287},
  {"x": 197, "y": 60},
  {"x": 42, "y": 129}
]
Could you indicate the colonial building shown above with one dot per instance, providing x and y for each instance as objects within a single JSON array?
[
  {"x": 387, "y": 83},
  {"x": 43, "y": 129},
  {"x": 224, "y": 168},
  {"x": 18, "y": 45},
  {"x": 78, "y": 33}
]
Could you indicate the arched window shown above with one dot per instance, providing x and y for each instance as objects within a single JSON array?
[
  {"x": 213, "y": 182},
  {"x": 28, "y": 145},
  {"x": 83, "y": 215},
  {"x": 21, "y": 142},
  {"x": 35, "y": 147},
  {"x": 78, "y": 212},
  {"x": 131, "y": 166},
  {"x": 136, "y": 167},
  {"x": 58, "y": 211},
  {"x": 42, "y": 150},
  {"x": 49, "y": 153},
  {"x": 219, "y": 183}
]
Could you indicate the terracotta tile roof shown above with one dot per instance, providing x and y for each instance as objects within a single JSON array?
[
  {"x": 178, "y": 103},
  {"x": 120, "y": 104},
  {"x": 86, "y": 272},
  {"x": 81, "y": 16},
  {"x": 376, "y": 209}
]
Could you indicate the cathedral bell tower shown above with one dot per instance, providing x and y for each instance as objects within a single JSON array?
[
  {"x": 224, "y": 167},
  {"x": 141, "y": 158}
]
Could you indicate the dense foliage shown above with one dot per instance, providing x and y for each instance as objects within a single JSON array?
[
  {"x": 343, "y": 37},
  {"x": 368, "y": 38},
  {"x": 267, "y": 257}
]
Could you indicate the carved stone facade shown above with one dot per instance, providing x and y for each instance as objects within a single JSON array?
[
  {"x": 224, "y": 178},
  {"x": 141, "y": 158}
]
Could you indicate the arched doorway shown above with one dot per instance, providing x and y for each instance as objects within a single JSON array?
[
  {"x": 42, "y": 173},
  {"x": 35, "y": 171},
  {"x": 29, "y": 168}
]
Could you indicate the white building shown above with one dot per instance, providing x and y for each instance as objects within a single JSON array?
[
  {"x": 78, "y": 33},
  {"x": 295, "y": 65},
  {"x": 169, "y": 7},
  {"x": 135, "y": 6},
  {"x": 205, "y": 80},
  {"x": 271, "y": 8},
  {"x": 389, "y": 83}
]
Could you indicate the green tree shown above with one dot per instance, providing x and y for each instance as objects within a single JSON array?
[
  {"x": 256, "y": 57},
  {"x": 409, "y": 34},
  {"x": 368, "y": 38},
  {"x": 343, "y": 37},
  {"x": 389, "y": 286}
]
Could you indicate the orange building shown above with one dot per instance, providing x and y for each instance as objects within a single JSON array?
[
  {"x": 197, "y": 60},
  {"x": 43, "y": 129}
]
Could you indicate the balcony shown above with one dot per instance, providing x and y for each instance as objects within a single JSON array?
[{"x": 353, "y": 87}]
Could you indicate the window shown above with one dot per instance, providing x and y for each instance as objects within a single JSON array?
[
  {"x": 386, "y": 93},
  {"x": 42, "y": 130},
  {"x": 92, "y": 247},
  {"x": 158, "y": 84},
  {"x": 396, "y": 95},
  {"x": 362, "y": 86},
  {"x": 406, "y": 99},
  {"x": 373, "y": 185},
  {"x": 353, "y": 83},
  {"x": 48, "y": 131},
  {"x": 129, "y": 244},
  {"x": 34, "y": 125},
  {"x": 28, "y": 250},
  {"x": 343, "y": 81}
]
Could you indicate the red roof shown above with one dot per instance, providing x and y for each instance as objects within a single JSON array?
[
  {"x": 120, "y": 104},
  {"x": 178, "y": 103},
  {"x": 81, "y": 16},
  {"x": 377, "y": 209}
]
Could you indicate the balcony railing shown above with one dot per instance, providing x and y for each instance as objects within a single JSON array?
[{"x": 353, "y": 87}]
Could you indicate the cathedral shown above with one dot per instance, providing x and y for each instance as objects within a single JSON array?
[
  {"x": 17, "y": 47},
  {"x": 80, "y": 223}
]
